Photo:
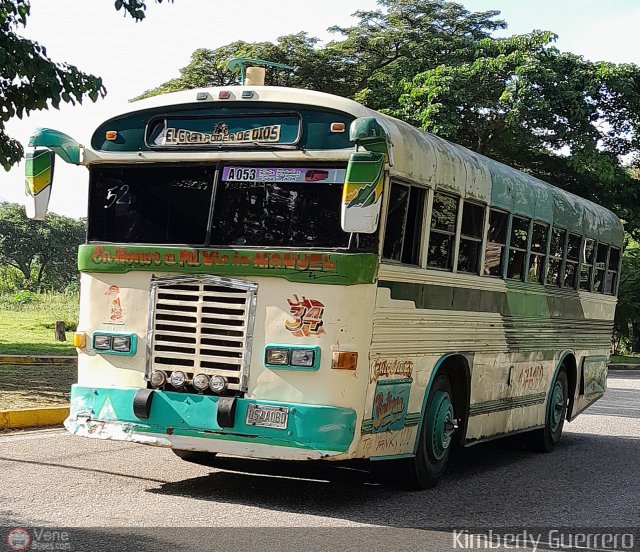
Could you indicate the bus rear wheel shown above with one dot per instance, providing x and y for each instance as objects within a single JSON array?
[
  {"x": 545, "y": 439},
  {"x": 436, "y": 436}
]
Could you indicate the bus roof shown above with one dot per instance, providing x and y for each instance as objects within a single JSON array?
[{"x": 424, "y": 158}]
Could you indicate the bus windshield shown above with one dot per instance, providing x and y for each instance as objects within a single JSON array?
[{"x": 253, "y": 207}]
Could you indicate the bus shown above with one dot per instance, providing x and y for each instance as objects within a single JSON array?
[{"x": 279, "y": 273}]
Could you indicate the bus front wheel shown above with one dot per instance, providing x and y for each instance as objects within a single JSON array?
[
  {"x": 547, "y": 438},
  {"x": 436, "y": 437}
]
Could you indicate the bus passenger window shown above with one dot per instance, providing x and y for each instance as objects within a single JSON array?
[
  {"x": 587, "y": 264},
  {"x": 444, "y": 216},
  {"x": 517, "y": 248},
  {"x": 571, "y": 266},
  {"x": 612, "y": 271},
  {"x": 496, "y": 243},
  {"x": 471, "y": 237},
  {"x": 556, "y": 253},
  {"x": 538, "y": 251},
  {"x": 600, "y": 267},
  {"x": 404, "y": 224}
]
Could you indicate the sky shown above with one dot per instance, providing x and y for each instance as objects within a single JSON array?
[{"x": 133, "y": 57}]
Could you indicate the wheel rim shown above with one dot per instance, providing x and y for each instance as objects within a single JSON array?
[
  {"x": 557, "y": 406},
  {"x": 440, "y": 425}
]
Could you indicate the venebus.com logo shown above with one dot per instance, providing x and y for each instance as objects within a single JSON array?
[{"x": 20, "y": 538}]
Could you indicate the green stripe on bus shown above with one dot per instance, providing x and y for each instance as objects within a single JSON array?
[
  {"x": 513, "y": 302},
  {"x": 313, "y": 267}
]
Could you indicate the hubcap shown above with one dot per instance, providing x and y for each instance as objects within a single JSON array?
[
  {"x": 556, "y": 406},
  {"x": 441, "y": 425}
]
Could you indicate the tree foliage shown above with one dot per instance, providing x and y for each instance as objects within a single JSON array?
[
  {"x": 627, "y": 321},
  {"x": 569, "y": 121},
  {"x": 31, "y": 81},
  {"x": 44, "y": 252}
]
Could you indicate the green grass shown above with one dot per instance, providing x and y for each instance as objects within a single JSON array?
[
  {"x": 620, "y": 359},
  {"x": 28, "y": 329}
]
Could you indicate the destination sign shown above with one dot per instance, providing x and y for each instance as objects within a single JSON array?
[
  {"x": 222, "y": 131},
  {"x": 283, "y": 174}
]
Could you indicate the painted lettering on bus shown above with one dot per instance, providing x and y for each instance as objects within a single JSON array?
[
  {"x": 393, "y": 367},
  {"x": 214, "y": 258}
]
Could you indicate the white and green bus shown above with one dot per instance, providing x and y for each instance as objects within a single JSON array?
[{"x": 284, "y": 274}]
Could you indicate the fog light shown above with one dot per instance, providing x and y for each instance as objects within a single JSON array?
[
  {"x": 121, "y": 343},
  {"x": 277, "y": 356},
  {"x": 102, "y": 342},
  {"x": 217, "y": 384},
  {"x": 200, "y": 382},
  {"x": 302, "y": 357},
  {"x": 178, "y": 379},
  {"x": 158, "y": 378}
]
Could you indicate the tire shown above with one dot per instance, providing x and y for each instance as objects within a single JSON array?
[
  {"x": 545, "y": 439},
  {"x": 196, "y": 457},
  {"x": 434, "y": 444}
]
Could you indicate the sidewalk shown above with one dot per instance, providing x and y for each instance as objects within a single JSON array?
[{"x": 34, "y": 390}]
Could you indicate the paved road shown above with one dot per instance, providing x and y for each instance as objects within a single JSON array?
[{"x": 591, "y": 480}]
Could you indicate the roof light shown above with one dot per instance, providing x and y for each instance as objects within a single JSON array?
[
  {"x": 224, "y": 95},
  {"x": 338, "y": 127},
  {"x": 111, "y": 135},
  {"x": 247, "y": 94},
  {"x": 202, "y": 96}
]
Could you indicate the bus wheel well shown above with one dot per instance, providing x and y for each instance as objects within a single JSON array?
[
  {"x": 570, "y": 368},
  {"x": 457, "y": 368}
]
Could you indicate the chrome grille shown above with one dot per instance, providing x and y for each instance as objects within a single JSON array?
[{"x": 202, "y": 324}]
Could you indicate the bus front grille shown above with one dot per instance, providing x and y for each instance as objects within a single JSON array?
[{"x": 202, "y": 325}]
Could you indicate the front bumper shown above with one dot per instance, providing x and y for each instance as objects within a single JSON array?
[{"x": 189, "y": 422}]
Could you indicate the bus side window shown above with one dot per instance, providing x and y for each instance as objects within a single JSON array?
[
  {"x": 612, "y": 271},
  {"x": 539, "y": 239},
  {"x": 556, "y": 254},
  {"x": 496, "y": 243},
  {"x": 586, "y": 269},
  {"x": 444, "y": 216},
  {"x": 571, "y": 265},
  {"x": 470, "y": 237},
  {"x": 600, "y": 267},
  {"x": 518, "y": 247},
  {"x": 404, "y": 224}
]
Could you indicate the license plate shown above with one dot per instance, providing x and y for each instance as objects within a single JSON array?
[{"x": 268, "y": 416}]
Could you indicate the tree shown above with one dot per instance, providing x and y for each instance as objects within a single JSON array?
[
  {"x": 45, "y": 252},
  {"x": 627, "y": 321},
  {"x": 432, "y": 63},
  {"x": 31, "y": 81}
]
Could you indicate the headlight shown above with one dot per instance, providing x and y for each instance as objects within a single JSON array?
[
  {"x": 302, "y": 357},
  {"x": 102, "y": 342},
  {"x": 158, "y": 378},
  {"x": 200, "y": 382},
  {"x": 178, "y": 379},
  {"x": 217, "y": 384},
  {"x": 277, "y": 356},
  {"x": 121, "y": 343}
]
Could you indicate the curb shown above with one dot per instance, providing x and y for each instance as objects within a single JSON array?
[
  {"x": 614, "y": 367},
  {"x": 33, "y": 417},
  {"x": 37, "y": 359}
]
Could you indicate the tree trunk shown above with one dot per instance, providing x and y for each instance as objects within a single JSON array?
[
  {"x": 60, "y": 331},
  {"x": 635, "y": 336}
]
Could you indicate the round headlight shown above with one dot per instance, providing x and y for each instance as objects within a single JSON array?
[
  {"x": 178, "y": 379},
  {"x": 158, "y": 378},
  {"x": 217, "y": 384},
  {"x": 200, "y": 382}
]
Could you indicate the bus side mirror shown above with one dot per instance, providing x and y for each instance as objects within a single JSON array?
[
  {"x": 362, "y": 192},
  {"x": 38, "y": 181}
]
